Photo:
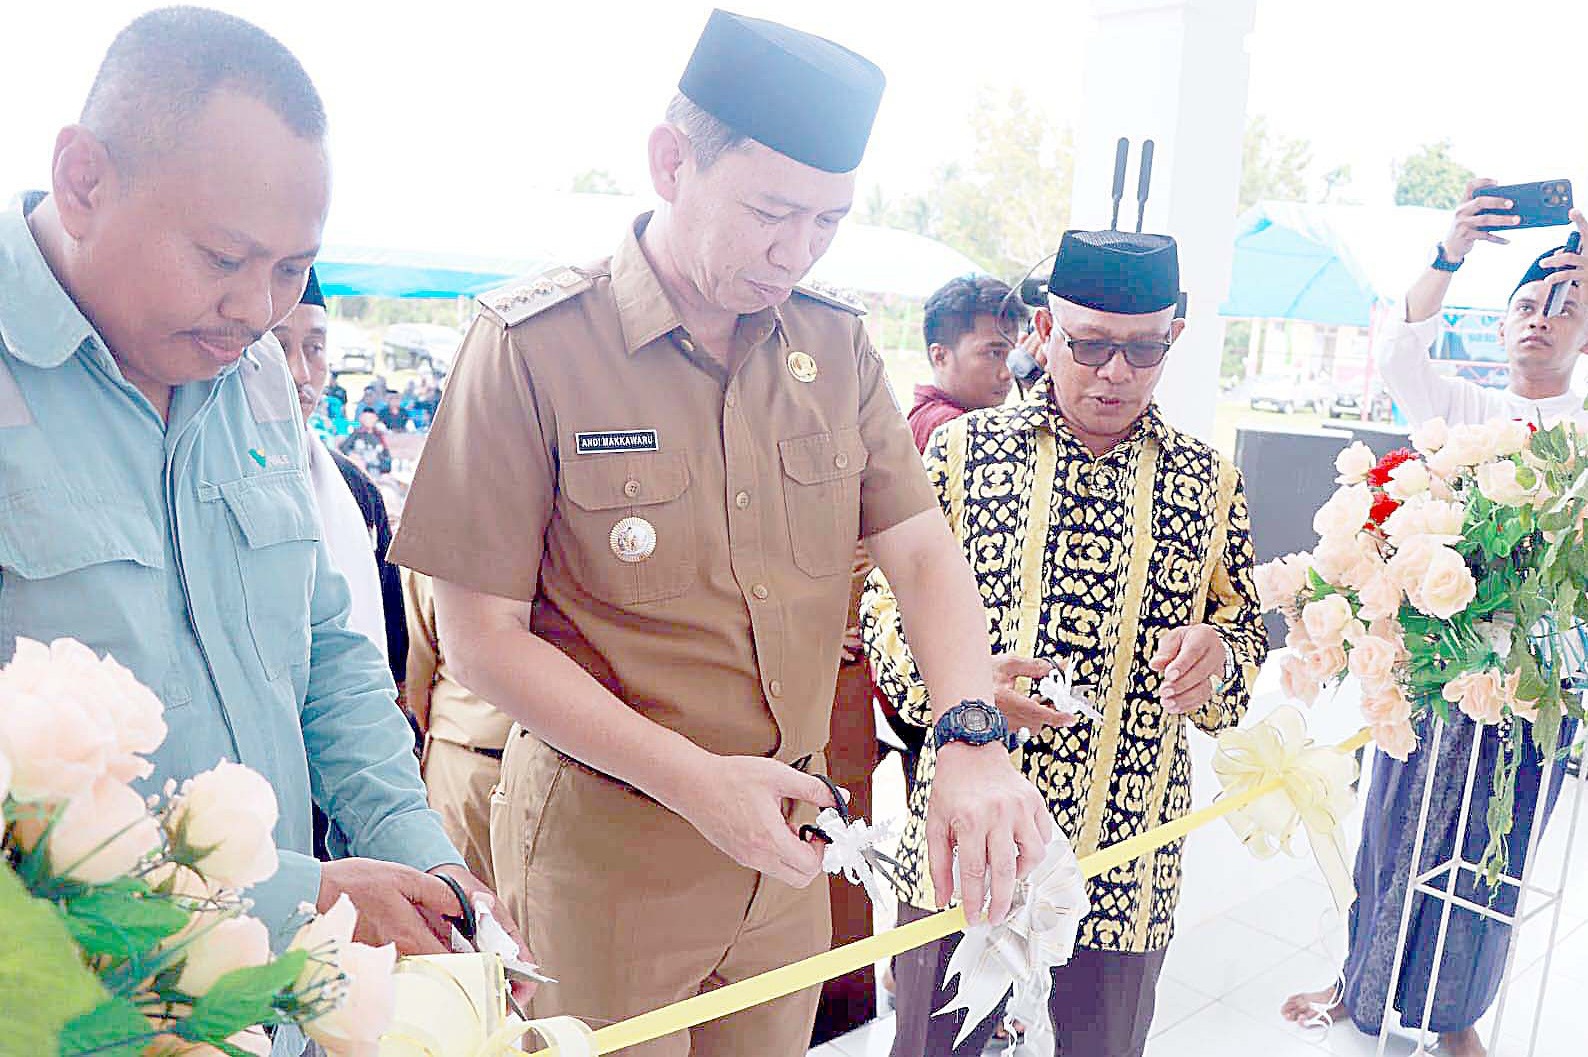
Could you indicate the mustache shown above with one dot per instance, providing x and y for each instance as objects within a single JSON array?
[{"x": 241, "y": 337}]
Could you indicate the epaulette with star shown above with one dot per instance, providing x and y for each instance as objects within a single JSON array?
[
  {"x": 522, "y": 298},
  {"x": 828, "y": 295}
]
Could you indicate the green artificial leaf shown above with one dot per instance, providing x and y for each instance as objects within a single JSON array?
[
  {"x": 243, "y": 998},
  {"x": 43, "y": 982},
  {"x": 112, "y": 1029},
  {"x": 123, "y": 918}
]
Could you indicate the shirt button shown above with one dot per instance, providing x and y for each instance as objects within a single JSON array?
[
  {"x": 776, "y": 687},
  {"x": 760, "y": 592},
  {"x": 741, "y": 500},
  {"x": 631, "y": 488},
  {"x": 731, "y": 400},
  {"x": 841, "y": 460}
]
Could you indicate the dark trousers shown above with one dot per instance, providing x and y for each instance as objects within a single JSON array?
[{"x": 1101, "y": 1004}]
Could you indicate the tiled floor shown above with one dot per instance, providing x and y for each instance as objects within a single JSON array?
[{"x": 1250, "y": 932}]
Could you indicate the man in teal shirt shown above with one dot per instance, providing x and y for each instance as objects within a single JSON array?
[{"x": 153, "y": 497}]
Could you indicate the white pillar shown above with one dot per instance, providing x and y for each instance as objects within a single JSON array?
[{"x": 1175, "y": 72}]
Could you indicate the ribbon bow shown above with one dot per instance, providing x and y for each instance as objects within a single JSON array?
[
  {"x": 1058, "y": 687},
  {"x": 1021, "y": 954},
  {"x": 852, "y": 851},
  {"x": 455, "y": 1005},
  {"x": 1313, "y": 792}
]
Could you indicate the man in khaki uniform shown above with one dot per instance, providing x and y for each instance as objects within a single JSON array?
[
  {"x": 639, "y": 503},
  {"x": 462, "y": 757}
]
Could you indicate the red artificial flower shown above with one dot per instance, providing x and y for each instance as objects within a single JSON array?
[
  {"x": 1379, "y": 475},
  {"x": 1532, "y": 428},
  {"x": 1383, "y": 506}
]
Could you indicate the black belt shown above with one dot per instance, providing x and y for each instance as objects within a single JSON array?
[{"x": 494, "y": 754}]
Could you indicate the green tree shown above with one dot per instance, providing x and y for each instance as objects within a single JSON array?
[
  {"x": 596, "y": 182},
  {"x": 1431, "y": 177},
  {"x": 1273, "y": 166}
]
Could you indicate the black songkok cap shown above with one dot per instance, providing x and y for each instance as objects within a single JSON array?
[
  {"x": 1117, "y": 271},
  {"x": 1537, "y": 271},
  {"x": 311, "y": 292},
  {"x": 801, "y": 95}
]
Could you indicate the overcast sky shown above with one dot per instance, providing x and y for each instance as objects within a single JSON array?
[{"x": 463, "y": 97}]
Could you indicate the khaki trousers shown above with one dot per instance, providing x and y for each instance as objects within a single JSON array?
[
  {"x": 458, "y": 782},
  {"x": 631, "y": 909}
]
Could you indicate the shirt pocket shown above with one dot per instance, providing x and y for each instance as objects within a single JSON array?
[
  {"x": 93, "y": 570},
  {"x": 278, "y": 536},
  {"x": 821, "y": 492},
  {"x": 604, "y": 492}
]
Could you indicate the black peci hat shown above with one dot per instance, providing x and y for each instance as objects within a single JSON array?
[
  {"x": 801, "y": 95},
  {"x": 1124, "y": 272}
]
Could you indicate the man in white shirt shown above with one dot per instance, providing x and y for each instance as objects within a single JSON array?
[{"x": 1542, "y": 351}]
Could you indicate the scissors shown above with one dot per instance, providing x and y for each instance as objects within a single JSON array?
[
  {"x": 884, "y": 865},
  {"x": 466, "y": 927}
]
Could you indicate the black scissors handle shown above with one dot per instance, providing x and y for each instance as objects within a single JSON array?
[{"x": 468, "y": 924}]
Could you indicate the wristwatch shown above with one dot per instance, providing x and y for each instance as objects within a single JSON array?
[
  {"x": 1443, "y": 263},
  {"x": 1232, "y": 668},
  {"x": 973, "y": 722}
]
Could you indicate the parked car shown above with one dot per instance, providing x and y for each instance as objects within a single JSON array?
[
  {"x": 1286, "y": 395},
  {"x": 1347, "y": 403}
]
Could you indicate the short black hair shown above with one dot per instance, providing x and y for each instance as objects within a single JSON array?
[
  {"x": 952, "y": 309},
  {"x": 164, "y": 66}
]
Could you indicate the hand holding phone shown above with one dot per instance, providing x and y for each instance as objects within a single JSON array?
[
  {"x": 1541, "y": 204},
  {"x": 1555, "y": 304}
]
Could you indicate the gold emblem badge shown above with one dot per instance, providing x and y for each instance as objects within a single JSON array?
[
  {"x": 802, "y": 366},
  {"x": 633, "y": 540}
]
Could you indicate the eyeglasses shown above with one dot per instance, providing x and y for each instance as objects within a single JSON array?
[{"x": 1089, "y": 352}]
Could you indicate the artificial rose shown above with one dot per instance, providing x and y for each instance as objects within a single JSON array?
[
  {"x": 1280, "y": 581},
  {"x": 57, "y": 746},
  {"x": 369, "y": 998},
  {"x": 1345, "y": 513},
  {"x": 322, "y": 938},
  {"x": 1379, "y": 597},
  {"x": 1498, "y": 483},
  {"x": 1325, "y": 619},
  {"x": 1527, "y": 710},
  {"x": 1480, "y": 695},
  {"x": 1353, "y": 463},
  {"x": 1510, "y": 435},
  {"x": 1379, "y": 475},
  {"x": 1383, "y": 506},
  {"x": 1373, "y": 659},
  {"x": 1325, "y": 662},
  {"x": 1430, "y": 436},
  {"x": 5, "y": 774},
  {"x": 1397, "y": 740},
  {"x": 99, "y": 835},
  {"x": 1464, "y": 446},
  {"x": 1443, "y": 520},
  {"x": 1447, "y": 586},
  {"x": 1410, "y": 562},
  {"x": 1295, "y": 678},
  {"x": 221, "y": 823},
  {"x": 1408, "y": 479},
  {"x": 250, "y": 1040},
  {"x": 225, "y": 945},
  {"x": 1385, "y": 703}
]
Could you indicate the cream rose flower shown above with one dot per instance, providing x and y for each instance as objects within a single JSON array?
[
  {"x": 1384, "y": 703},
  {"x": 1296, "y": 680},
  {"x": 224, "y": 818},
  {"x": 1509, "y": 436},
  {"x": 1443, "y": 520},
  {"x": 1372, "y": 659},
  {"x": 1280, "y": 581},
  {"x": 1447, "y": 586},
  {"x": 1326, "y": 619},
  {"x": 322, "y": 938},
  {"x": 1410, "y": 561},
  {"x": 1430, "y": 436},
  {"x": 1354, "y": 463},
  {"x": 1527, "y": 710},
  {"x": 226, "y": 945},
  {"x": 354, "y": 1027},
  {"x": 1464, "y": 446},
  {"x": 1325, "y": 662},
  {"x": 57, "y": 747},
  {"x": 1480, "y": 695},
  {"x": 1397, "y": 740},
  {"x": 1379, "y": 598},
  {"x": 1499, "y": 484},
  {"x": 1345, "y": 512},
  {"x": 99, "y": 835},
  {"x": 1408, "y": 479}
]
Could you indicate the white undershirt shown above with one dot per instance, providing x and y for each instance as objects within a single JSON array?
[{"x": 348, "y": 539}]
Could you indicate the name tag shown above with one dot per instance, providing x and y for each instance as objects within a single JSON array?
[{"x": 615, "y": 440}]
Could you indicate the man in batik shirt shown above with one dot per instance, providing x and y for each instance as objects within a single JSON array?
[{"x": 1108, "y": 543}]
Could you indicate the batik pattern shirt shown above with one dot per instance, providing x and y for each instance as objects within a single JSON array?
[{"x": 1090, "y": 559}]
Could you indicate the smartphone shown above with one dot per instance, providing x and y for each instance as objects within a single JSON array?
[
  {"x": 1544, "y": 204},
  {"x": 1555, "y": 304}
]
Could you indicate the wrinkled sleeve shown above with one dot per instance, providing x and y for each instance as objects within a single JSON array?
[
  {"x": 476, "y": 515},
  {"x": 1233, "y": 610},
  {"x": 881, "y": 626}
]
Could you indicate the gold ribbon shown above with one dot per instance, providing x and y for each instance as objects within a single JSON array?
[
  {"x": 1309, "y": 788},
  {"x": 818, "y": 969}
]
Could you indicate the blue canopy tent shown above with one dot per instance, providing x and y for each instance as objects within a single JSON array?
[{"x": 346, "y": 271}]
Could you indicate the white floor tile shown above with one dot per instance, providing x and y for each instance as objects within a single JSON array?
[
  {"x": 1176, "y": 1002},
  {"x": 1218, "y": 956},
  {"x": 1261, "y": 997},
  {"x": 1299, "y": 911},
  {"x": 1220, "y": 1031},
  {"x": 872, "y": 1040}
]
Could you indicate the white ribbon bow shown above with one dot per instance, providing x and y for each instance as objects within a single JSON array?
[
  {"x": 1021, "y": 954},
  {"x": 1059, "y": 688},
  {"x": 455, "y": 1005},
  {"x": 849, "y": 852}
]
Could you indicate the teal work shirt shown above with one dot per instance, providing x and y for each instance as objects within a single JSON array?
[{"x": 190, "y": 550}]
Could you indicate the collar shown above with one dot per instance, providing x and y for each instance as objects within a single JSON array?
[
  {"x": 931, "y": 394},
  {"x": 1039, "y": 411},
  {"x": 645, "y": 312},
  {"x": 40, "y": 324}
]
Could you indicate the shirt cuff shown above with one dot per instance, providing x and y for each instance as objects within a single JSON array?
[
  {"x": 413, "y": 838},
  {"x": 276, "y": 901},
  {"x": 1424, "y": 330}
]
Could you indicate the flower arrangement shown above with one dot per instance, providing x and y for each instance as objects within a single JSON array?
[
  {"x": 125, "y": 930},
  {"x": 1451, "y": 573}
]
